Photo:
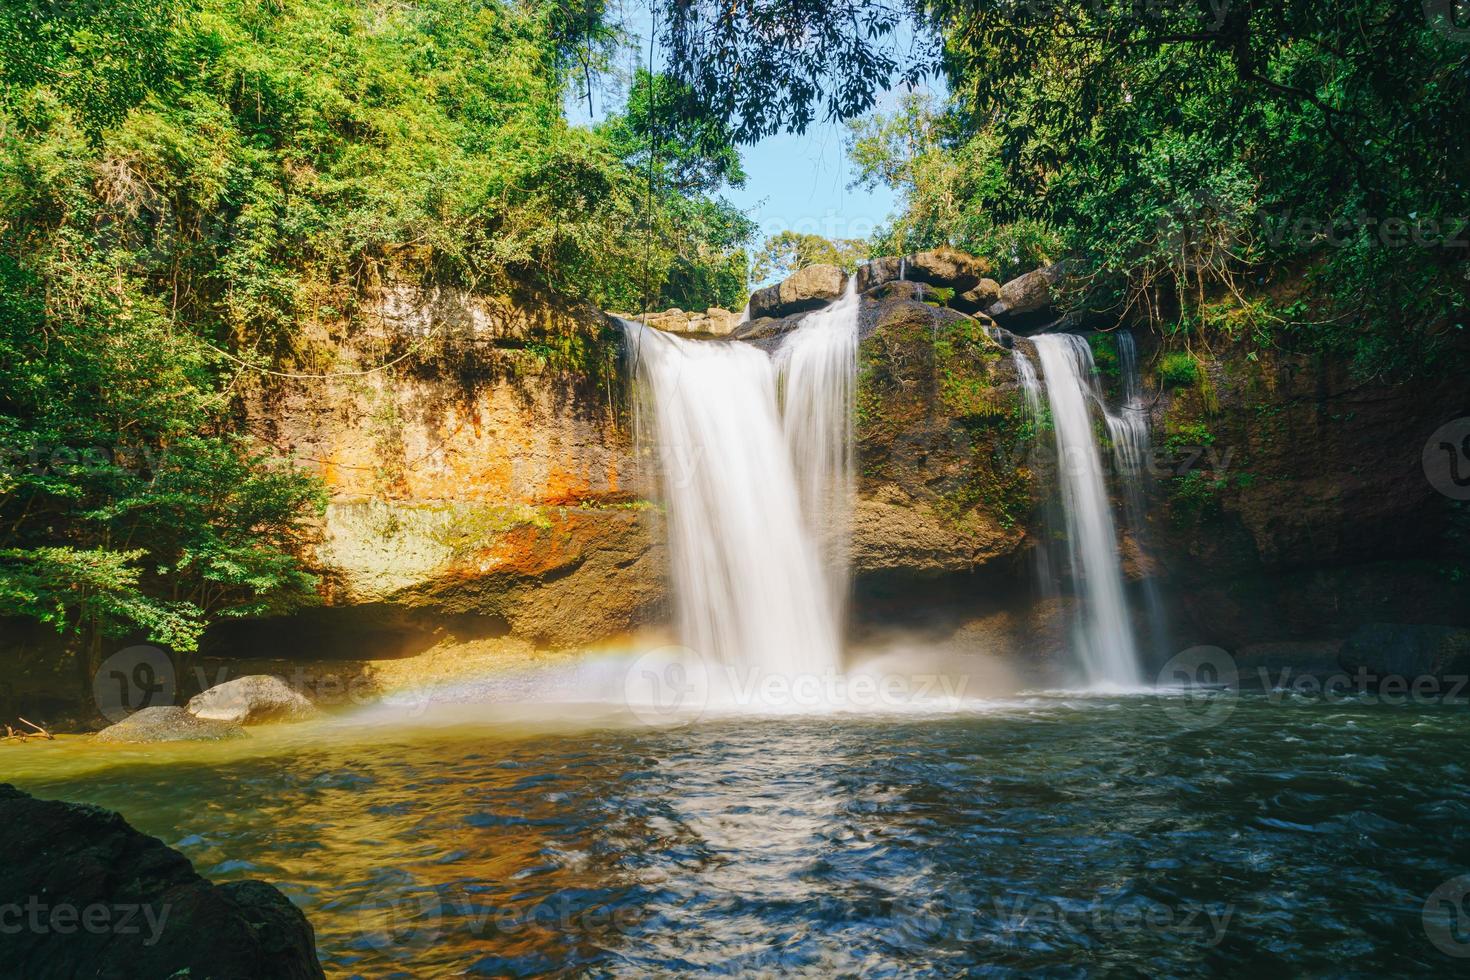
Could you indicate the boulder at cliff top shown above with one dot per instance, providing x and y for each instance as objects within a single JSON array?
[
  {"x": 1027, "y": 300},
  {"x": 876, "y": 272},
  {"x": 166, "y": 723},
  {"x": 95, "y": 898},
  {"x": 714, "y": 322},
  {"x": 980, "y": 297},
  {"x": 252, "y": 700},
  {"x": 807, "y": 289},
  {"x": 945, "y": 266}
]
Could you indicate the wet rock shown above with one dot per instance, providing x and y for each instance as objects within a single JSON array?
[
  {"x": 168, "y": 724},
  {"x": 1027, "y": 300},
  {"x": 939, "y": 433},
  {"x": 945, "y": 266},
  {"x": 1407, "y": 650},
  {"x": 252, "y": 700},
  {"x": 99, "y": 899},
  {"x": 807, "y": 289}
]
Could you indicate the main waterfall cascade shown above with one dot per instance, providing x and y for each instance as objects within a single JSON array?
[
  {"x": 817, "y": 372},
  {"x": 756, "y": 469},
  {"x": 756, "y": 464},
  {"x": 1103, "y": 636}
]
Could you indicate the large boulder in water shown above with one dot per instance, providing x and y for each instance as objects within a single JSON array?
[
  {"x": 808, "y": 289},
  {"x": 166, "y": 723},
  {"x": 96, "y": 898},
  {"x": 252, "y": 700}
]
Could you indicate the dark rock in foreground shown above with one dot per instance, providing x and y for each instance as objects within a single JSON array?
[
  {"x": 168, "y": 724},
  {"x": 95, "y": 898}
]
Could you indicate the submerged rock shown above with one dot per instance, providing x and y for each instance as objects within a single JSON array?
[
  {"x": 252, "y": 700},
  {"x": 166, "y": 723},
  {"x": 807, "y": 289},
  {"x": 96, "y": 898}
]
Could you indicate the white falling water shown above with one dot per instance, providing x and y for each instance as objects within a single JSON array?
[
  {"x": 1104, "y": 638},
  {"x": 749, "y": 497},
  {"x": 817, "y": 365},
  {"x": 1128, "y": 429},
  {"x": 1128, "y": 432}
]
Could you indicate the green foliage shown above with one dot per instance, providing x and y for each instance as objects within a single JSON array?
[
  {"x": 690, "y": 153},
  {"x": 1178, "y": 369},
  {"x": 1183, "y": 436},
  {"x": 790, "y": 251},
  {"x": 945, "y": 181},
  {"x": 1104, "y": 354},
  {"x": 126, "y": 505},
  {"x": 1180, "y": 152},
  {"x": 186, "y": 179}
]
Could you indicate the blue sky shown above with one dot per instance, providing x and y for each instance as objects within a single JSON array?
[{"x": 796, "y": 182}]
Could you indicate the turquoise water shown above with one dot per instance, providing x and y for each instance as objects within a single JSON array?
[{"x": 1047, "y": 835}]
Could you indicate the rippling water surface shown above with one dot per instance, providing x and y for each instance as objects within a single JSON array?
[{"x": 1052, "y": 835}]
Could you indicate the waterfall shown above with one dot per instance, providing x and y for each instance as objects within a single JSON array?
[
  {"x": 1104, "y": 634},
  {"x": 817, "y": 367},
  {"x": 1128, "y": 432},
  {"x": 756, "y": 470}
]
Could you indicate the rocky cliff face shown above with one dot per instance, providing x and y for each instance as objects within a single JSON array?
[
  {"x": 482, "y": 487},
  {"x": 491, "y": 489},
  {"x": 1294, "y": 500}
]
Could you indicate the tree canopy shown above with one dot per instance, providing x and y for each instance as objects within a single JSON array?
[{"x": 1177, "y": 153}]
